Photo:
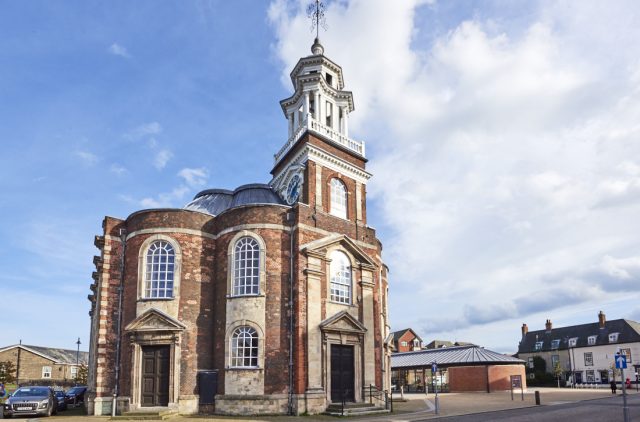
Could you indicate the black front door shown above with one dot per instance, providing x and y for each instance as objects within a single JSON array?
[
  {"x": 155, "y": 376},
  {"x": 342, "y": 373}
]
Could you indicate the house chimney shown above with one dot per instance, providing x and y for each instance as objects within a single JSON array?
[
  {"x": 525, "y": 330},
  {"x": 548, "y": 325},
  {"x": 602, "y": 319}
]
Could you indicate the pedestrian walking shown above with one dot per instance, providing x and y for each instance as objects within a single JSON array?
[{"x": 613, "y": 386}]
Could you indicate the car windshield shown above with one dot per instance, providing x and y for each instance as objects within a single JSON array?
[
  {"x": 25, "y": 392},
  {"x": 59, "y": 393},
  {"x": 75, "y": 390}
]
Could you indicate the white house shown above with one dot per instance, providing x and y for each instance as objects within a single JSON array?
[{"x": 586, "y": 350}]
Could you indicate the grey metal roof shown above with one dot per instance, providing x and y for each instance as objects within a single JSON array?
[
  {"x": 451, "y": 356},
  {"x": 216, "y": 201},
  {"x": 629, "y": 332},
  {"x": 64, "y": 356}
]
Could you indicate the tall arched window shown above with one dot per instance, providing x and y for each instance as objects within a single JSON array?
[
  {"x": 338, "y": 199},
  {"x": 340, "y": 277},
  {"x": 159, "y": 270},
  {"x": 246, "y": 267},
  {"x": 244, "y": 347}
]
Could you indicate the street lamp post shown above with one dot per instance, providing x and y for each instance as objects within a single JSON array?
[{"x": 77, "y": 360}]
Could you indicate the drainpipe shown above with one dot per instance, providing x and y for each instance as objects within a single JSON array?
[
  {"x": 18, "y": 365},
  {"x": 291, "y": 216},
  {"x": 116, "y": 390}
]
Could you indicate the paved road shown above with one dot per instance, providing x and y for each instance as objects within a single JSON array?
[{"x": 607, "y": 409}]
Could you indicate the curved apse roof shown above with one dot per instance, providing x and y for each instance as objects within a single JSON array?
[{"x": 216, "y": 201}]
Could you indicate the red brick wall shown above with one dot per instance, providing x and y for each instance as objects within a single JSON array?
[
  {"x": 467, "y": 378},
  {"x": 203, "y": 288},
  {"x": 408, "y": 336},
  {"x": 499, "y": 376},
  {"x": 484, "y": 378}
]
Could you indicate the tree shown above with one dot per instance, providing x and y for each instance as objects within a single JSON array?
[
  {"x": 557, "y": 371},
  {"x": 81, "y": 376},
  {"x": 7, "y": 372}
]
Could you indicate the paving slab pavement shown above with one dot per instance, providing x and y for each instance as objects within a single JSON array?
[{"x": 416, "y": 407}]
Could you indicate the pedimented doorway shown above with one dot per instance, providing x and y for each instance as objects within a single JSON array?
[
  {"x": 155, "y": 376},
  {"x": 342, "y": 373}
]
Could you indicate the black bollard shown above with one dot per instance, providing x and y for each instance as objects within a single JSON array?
[{"x": 537, "y": 398}]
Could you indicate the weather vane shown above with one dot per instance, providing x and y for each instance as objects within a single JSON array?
[{"x": 315, "y": 11}]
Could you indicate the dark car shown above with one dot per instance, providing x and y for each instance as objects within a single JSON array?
[
  {"x": 75, "y": 395},
  {"x": 61, "y": 396},
  {"x": 36, "y": 400}
]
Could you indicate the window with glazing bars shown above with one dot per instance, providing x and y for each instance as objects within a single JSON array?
[
  {"x": 340, "y": 277},
  {"x": 338, "y": 199},
  {"x": 244, "y": 347},
  {"x": 246, "y": 267},
  {"x": 160, "y": 270}
]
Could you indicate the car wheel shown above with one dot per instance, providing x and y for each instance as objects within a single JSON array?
[{"x": 49, "y": 411}]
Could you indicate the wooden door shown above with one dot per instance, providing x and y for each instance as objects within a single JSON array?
[
  {"x": 342, "y": 373},
  {"x": 155, "y": 376}
]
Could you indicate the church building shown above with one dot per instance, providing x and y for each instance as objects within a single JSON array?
[{"x": 267, "y": 299}]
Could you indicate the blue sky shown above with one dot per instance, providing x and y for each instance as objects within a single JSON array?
[{"x": 502, "y": 136}]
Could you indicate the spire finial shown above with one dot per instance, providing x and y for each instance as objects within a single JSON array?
[{"x": 315, "y": 11}]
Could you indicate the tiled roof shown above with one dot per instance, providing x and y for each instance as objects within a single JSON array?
[
  {"x": 398, "y": 334},
  {"x": 628, "y": 332},
  {"x": 64, "y": 356},
  {"x": 451, "y": 356}
]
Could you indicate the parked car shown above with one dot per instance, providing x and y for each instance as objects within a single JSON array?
[
  {"x": 61, "y": 396},
  {"x": 36, "y": 400},
  {"x": 75, "y": 395}
]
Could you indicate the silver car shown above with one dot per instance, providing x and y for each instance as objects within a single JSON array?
[{"x": 40, "y": 401}]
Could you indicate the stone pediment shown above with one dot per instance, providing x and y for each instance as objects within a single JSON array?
[
  {"x": 321, "y": 245},
  {"x": 342, "y": 322},
  {"x": 155, "y": 320}
]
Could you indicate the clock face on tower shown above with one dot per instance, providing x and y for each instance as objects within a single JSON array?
[{"x": 293, "y": 189}]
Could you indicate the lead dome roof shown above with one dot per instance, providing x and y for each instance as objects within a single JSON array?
[{"x": 216, "y": 201}]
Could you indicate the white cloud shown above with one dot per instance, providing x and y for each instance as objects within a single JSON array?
[
  {"x": 503, "y": 158},
  {"x": 162, "y": 158},
  {"x": 87, "y": 158},
  {"x": 118, "y": 169},
  {"x": 191, "y": 179},
  {"x": 194, "y": 177},
  {"x": 118, "y": 50},
  {"x": 151, "y": 128}
]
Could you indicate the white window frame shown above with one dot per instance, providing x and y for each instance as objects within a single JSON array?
[
  {"x": 341, "y": 278},
  {"x": 554, "y": 360},
  {"x": 555, "y": 343},
  {"x": 538, "y": 346},
  {"x": 241, "y": 354},
  {"x": 573, "y": 342},
  {"x": 46, "y": 372},
  {"x": 613, "y": 337},
  {"x": 530, "y": 361},
  {"x": 160, "y": 269},
  {"x": 592, "y": 340},
  {"x": 588, "y": 358},
  {"x": 74, "y": 372},
  {"x": 339, "y": 198},
  {"x": 244, "y": 283},
  {"x": 404, "y": 343},
  {"x": 591, "y": 375}
]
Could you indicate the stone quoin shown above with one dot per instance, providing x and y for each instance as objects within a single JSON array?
[{"x": 268, "y": 299}]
